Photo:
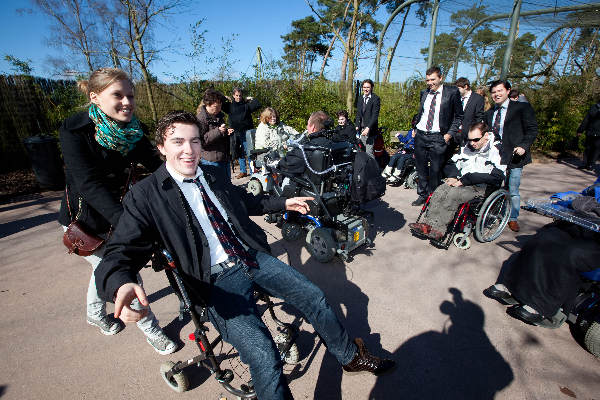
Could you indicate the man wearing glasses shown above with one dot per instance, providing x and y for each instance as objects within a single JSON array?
[
  {"x": 469, "y": 172},
  {"x": 367, "y": 116}
]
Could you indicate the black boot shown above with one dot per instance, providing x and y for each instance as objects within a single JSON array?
[{"x": 365, "y": 362}]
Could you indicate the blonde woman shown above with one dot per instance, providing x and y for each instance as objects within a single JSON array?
[{"x": 271, "y": 133}]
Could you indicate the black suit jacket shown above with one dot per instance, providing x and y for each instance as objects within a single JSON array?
[
  {"x": 368, "y": 116},
  {"x": 155, "y": 212},
  {"x": 451, "y": 112},
  {"x": 473, "y": 113},
  {"x": 520, "y": 130}
]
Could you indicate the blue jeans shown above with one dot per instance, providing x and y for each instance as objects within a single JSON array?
[
  {"x": 223, "y": 164},
  {"x": 242, "y": 160},
  {"x": 233, "y": 312},
  {"x": 514, "y": 181}
]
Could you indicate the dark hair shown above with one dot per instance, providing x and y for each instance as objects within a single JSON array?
[
  {"x": 171, "y": 118},
  {"x": 482, "y": 126},
  {"x": 318, "y": 120},
  {"x": 212, "y": 96},
  {"x": 463, "y": 82},
  {"x": 433, "y": 69},
  {"x": 506, "y": 84},
  {"x": 237, "y": 89},
  {"x": 514, "y": 93},
  {"x": 342, "y": 113},
  {"x": 370, "y": 82}
]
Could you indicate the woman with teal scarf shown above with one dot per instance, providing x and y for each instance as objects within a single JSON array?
[{"x": 99, "y": 145}]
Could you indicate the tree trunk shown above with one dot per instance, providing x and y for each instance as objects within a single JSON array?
[
  {"x": 350, "y": 52},
  {"x": 322, "y": 72},
  {"x": 389, "y": 65}
]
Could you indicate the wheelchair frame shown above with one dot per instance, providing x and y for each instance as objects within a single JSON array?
[{"x": 173, "y": 373}]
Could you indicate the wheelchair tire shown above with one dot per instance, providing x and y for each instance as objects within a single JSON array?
[
  {"x": 321, "y": 244},
  {"x": 179, "y": 382},
  {"x": 493, "y": 216},
  {"x": 412, "y": 180},
  {"x": 293, "y": 355},
  {"x": 290, "y": 231},
  {"x": 592, "y": 339},
  {"x": 462, "y": 241},
  {"x": 254, "y": 187}
]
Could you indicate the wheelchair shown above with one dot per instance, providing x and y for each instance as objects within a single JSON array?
[
  {"x": 174, "y": 374},
  {"x": 486, "y": 216},
  {"x": 335, "y": 225}
]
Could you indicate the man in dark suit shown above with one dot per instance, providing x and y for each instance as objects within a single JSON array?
[
  {"x": 440, "y": 116},
  {"x": 367, "y": 116},
  {"x": 203, "y": 221},
  {"x": 514, "y": 125},
  {"x": 472, "y": 104},
  {"x": 591, "y": 126}
]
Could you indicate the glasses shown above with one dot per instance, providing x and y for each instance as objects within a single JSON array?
[{"x": 475, "y": 140}]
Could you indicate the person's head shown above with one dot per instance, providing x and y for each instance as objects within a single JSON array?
[
  {"x": 499, "y": 90},
  {"x": 478, "y": 135},
  {"x": 316, "y": 121},
  {"x": 111, "y": 90},
  {"x": 238, "y": 95},
  {"x": 342, "y": 117},
  {"x": 178, "y": 140},
  {"x": 463, "y": 85},
  {"x": 367, "y": 87},
  {"x": 269, "y": 116},
  {"x": 482, "y": 91},
  {"x": 433, "y": 78},
  {"x": 212, "y": 100},
  {"x": 514, "y": 94}
]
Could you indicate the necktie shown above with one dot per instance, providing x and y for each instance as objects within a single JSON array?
[
  {"x": 431, "y": 114},
  {"x": 366, "y": 100},
  {"x": 231, "y": 244},
  {"x": 496, "y": 126},
  {"x": 462, "y": 100}
]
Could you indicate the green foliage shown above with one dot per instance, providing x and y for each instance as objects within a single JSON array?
[
  {"x": 399, "y": 102},
  {"x": 19, "y": 66}
]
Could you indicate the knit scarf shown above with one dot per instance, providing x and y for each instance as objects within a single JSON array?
[{"x": 111, "y": 136}]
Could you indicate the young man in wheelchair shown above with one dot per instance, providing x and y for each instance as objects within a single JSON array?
[
  {"x": 222, "y": 255},
  {"x": 469, "y": 174}
]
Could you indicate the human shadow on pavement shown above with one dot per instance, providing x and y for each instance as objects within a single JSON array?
[
  {"x": 13, "y": 227},
  {"x": 459, "y": 362},
  {"x": 387, "y": 217}
]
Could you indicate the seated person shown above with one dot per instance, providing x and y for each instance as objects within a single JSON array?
[
  {"x": 544, "y": 275},
  {"x": 345, "y": 131},
  {"x": 393, "y": 171},
  {"x": 203, "y": 220},
  {"x": 469, "y": 172},
  {"x": 273, "y": 134}
]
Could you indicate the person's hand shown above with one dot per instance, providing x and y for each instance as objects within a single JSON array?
[
  {"x": 222, "y": 128},
  {"x": 456, "y": 183},
  {"x": 451, "y": 181},
  {"x": 125, "y": 295},
  {"x": 578, "y": 133},
  {"x": 357, "y": 128},
  {"x": 298, "y": 204},
  {"x": 249, "y": 98},
  {"x": 228, "y": 98},
  {"x": 230, "y": 131},
  {"x": 519, "y": 151},
  {"x": 447, "y": 138},
  {"x": 365, "y": 131},
  {"x": 414, "y": 133}
]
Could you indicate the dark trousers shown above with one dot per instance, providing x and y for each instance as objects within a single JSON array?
[
  {"x": 592, "y": 149},
  {"x": 430, "y": 152}
]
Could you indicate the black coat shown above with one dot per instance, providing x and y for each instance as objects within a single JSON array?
[
  {"x": 368, "y": 116},
  {"x": 345, "y": 133},
  {"x": 97, "y": 174},
  {"x": 240, "y": 114},
  {"x": 155, "y": 212},
  {"x": 473, "y": 113},
  {"x": 591, "y": 122},
  {"x": 520, "y": 130},
  {"x": 451, "y": 112}
]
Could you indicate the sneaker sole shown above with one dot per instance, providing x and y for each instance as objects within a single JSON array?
[
  {"x": 163, "y": 352},
  {"x": 107, "y": 333}
]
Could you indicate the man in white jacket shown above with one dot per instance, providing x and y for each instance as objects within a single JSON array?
[{"x": 469, "y": 172}]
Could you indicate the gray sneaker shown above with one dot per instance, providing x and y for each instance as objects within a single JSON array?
[
  {"x": 161, "y": 343},
  {"x": 108, "y": 324}
]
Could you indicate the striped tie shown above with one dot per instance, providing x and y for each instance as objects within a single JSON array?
[
  {"x": 496, "y": 126},
  {"x": 431, "y": 114}
]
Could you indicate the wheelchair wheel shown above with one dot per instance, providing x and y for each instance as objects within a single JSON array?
[
  {"x": 178, "y": 382},
  {"x": 254, "y": 187},
  {"x": 321, "y": 244},
  {"x": 291, "y": 231},
  {"x": 412, "y": 180},
  {"x": 293, "y": 355},
  {"x": 462, "y": 241},
  {"x": 592, "y": 339},
  {"x": 493, "y": 216}
]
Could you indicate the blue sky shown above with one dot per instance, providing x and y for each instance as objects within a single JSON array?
[{"x": 256, "y": 23}]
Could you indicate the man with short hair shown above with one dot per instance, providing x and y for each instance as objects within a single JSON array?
[
  {"x": 472, "y": 104},
  {"x": 367, "y": 116},
  {"x": 203, "y": 221},
  {"x": 469, "y": 172},
  {"x": 514, "y": 125},
  {"x": 440, "y": 116}
]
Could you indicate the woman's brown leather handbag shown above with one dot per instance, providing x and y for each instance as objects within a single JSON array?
[{"x": 77, "y": 238}]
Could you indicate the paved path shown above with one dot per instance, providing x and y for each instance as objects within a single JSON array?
[{"x": 423, "y": 305}]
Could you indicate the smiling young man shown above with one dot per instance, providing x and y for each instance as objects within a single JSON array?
[
  {"x": 367, "y": 116},
  {"x": 203, "y": 221},
  {"x": 514, "y": 125}
]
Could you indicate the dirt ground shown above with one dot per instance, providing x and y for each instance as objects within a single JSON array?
[{"x": 419, "y": 305}]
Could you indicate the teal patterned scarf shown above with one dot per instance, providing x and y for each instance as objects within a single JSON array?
[{"x": 110, "y": 135}]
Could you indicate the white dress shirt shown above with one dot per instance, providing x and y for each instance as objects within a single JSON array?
[
  {"x": 503, "y": 108},
  {"x": 191, "y": 192},
  {"x": 422, "y": 125},
  {"x": 465, "y": 100}
]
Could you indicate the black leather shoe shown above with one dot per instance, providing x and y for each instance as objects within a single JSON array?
[
  {"x": 501, "y": 296},
  {"x": 419, "y": 201},
  {"x": 520, "y": 313},
  {"x": 365, "y": 362}
]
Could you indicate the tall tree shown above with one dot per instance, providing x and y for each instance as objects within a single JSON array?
[{"x": 302, "y": 46}]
